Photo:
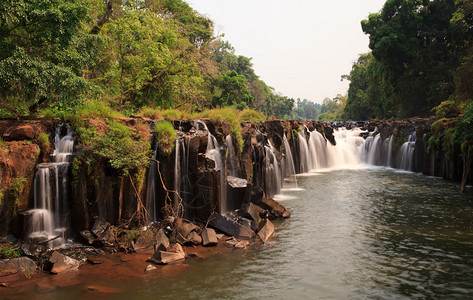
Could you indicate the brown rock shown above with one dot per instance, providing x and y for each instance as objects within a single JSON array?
[
  {"x": 209, "y": 237},
  {"x": 276, "y": 209},
  {"x": 254, "y": 211},
  {"x": 194, "y": 238},
  {"x": 146, "y": 240},
  {"x": 15, "y": 265},
  {"x": 61, "y": 263},
  {"x": 266, "y": 231},
  {"x": 162, "y": 242},
  {"x": 184, "y": 228},
  {"x": 174, "y": 253}
]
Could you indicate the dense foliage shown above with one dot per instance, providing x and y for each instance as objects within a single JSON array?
[
  {"x": 57, "y": 54},
  {"x": 421, "y": 55}
]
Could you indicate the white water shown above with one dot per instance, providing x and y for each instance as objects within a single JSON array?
[
  {"x": 352, "y": 151},
  {"x": 232, "y": 164},
  {"x": 151, "y": 188},
  {"x": 49, "y": 215},
  {"x": 406, "y": 153},
  {"x": 290, "y": 169}
]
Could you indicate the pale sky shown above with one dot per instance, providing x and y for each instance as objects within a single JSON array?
[{"x": 299, "y": 47}]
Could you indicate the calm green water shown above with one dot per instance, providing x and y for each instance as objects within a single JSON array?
[{"x": 353, "y": 234}]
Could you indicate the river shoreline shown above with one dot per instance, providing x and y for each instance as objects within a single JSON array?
[{"x": 114, "y": 268}]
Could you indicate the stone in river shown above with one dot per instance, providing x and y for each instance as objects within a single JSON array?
[
  {"x": 230, "y": 227},
  {"x": 194, "y": 238},
  {"x": 162, "y": 241},
  {"x": 174, "y": 253},
  {"x": 60, "y": 263},
  {"x": 266, "y": 231},
  {"x": 276, "y": 209},
  {"x": 15, "y": 265},
  {"x": 209, "y": 237}
]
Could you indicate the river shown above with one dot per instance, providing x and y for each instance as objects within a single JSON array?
[
  {"x": 367, "y": 232},
  {"x": 354, "y": 234}
]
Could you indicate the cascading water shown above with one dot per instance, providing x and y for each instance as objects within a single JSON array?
[
  {"x": 214, "y": 153},
  {"x": 272, "y": 172},
  {"x": 49, "y": 217},
  {"x": 321, "y": 154},
  {"x": 304, "y": 154},
  {"x": 290, "y": 170},
  {"x": 377, "y": 152},
  {"x": 232, "y": 164},
  {"x": 151, "y": 206},
  {"x": 406, "y": 153}
]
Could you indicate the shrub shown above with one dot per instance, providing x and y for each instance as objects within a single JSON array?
[
  {"x": 124, "y": 149},
  {"x": 166, "y": 137},
  {"x": 251, "y": 116},
  {"x": 43, "y": 142},
  {"x": 9, "y": 252},
  {"x": 227, "y": 115},
  {"x": 172, "y": 114},
  {"x": 15, "y": 189},
  {"x": 152, "y": 113}
]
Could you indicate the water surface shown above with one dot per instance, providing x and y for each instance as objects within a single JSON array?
[{"x": 370, "y": 233}]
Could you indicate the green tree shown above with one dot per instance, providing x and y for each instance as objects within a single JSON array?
[
  {"x": 43, "y": 53},
  {"x": 234, "y": 91}
]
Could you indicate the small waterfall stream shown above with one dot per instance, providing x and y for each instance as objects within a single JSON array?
[
  {"x": 290, "y": 169},
  {"x": 49, "y": 217},
  {"x": 151, "y": 206},
  {"x": 406, "y": 153}
]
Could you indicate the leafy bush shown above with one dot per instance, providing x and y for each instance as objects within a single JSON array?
[
  {"x": 43, "y": 142},
  {"x": 166, "y": 137},
  {"x": 124, "y": 149},
  {"x": 9, "y": 252},
  {"x": 227, "y": 115},
  {"x": 252, "y": 116},
  {"x": 152, "y": 113},
  {"x": 15, "y": 189},
  {"x": 463, "y": 130}
]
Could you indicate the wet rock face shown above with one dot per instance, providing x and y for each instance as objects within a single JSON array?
[
  {"x": 18, "y": 160},
  {"x": 22, "y": 130}
]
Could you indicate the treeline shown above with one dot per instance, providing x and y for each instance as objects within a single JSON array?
[
  {"x": 56, "y": 54},
  {"x": 421, "y": 59}
]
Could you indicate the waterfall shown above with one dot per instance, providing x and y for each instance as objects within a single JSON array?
[
  {"x": 151, "y": 206},
  {"x": 272, "y": 172},
  {"x": 406, "y": 153},
  {"x": 232, "y": 164},
  {"x": 289, "y": 167},
  {"x": 304, "y": 154},
  {"x": 49, "y": 217},
  {"x": 377, "y": 152},
  {"x": 213, "y": 152}
]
